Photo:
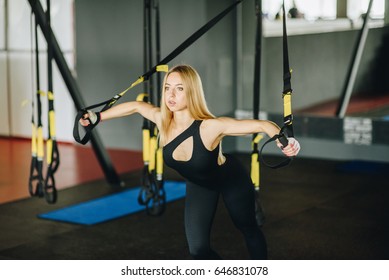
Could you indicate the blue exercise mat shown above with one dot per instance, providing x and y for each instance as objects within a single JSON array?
[{"x": 110, "y": 207}]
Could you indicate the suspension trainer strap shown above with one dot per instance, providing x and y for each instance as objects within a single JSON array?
[
  {"x": 157, "y": 204},
  {"x": 287, "y": 92},
  {"x": 152, "y": 193},
  {"x": 159, "y": 156},
  {"x": 158, "y": 44},
  {"x": 145, "y": 195},
  {"x": 161, "y": 66},
  {"x": 52, "y": 156},
  {"x": 255, "y": 164},
  {"x": 37, "y": 146},
  {"x": 287, "y": 128}
]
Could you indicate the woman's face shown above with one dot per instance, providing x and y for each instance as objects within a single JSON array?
[{"x": 175, "y": 93}]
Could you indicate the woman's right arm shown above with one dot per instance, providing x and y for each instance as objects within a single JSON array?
[{"x": 147, "y": 110}]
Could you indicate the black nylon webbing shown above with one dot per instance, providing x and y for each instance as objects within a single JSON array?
[
  {"x": 255, "y": 168},
  {"x": 53, "y": 161},
  {"x": 36, "y": 181},
  {"x": 287, "y": 129},
  {"x": 288, "y": 119},
  {"x": 257, "y": 62}
]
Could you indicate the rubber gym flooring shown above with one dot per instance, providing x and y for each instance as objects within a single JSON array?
[{"x": 315, "y": 209}]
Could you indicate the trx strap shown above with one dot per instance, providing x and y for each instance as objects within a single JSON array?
[
  {"x": 161, "y": 66},
  {"x": 145, "y": 191},
  {"x": 287, "y": 129},
  {"x": 257, "y": 137},
  {"x": 52, "y": 156},
  {"x": 158, "y": 45},
  {"x": 287, "y": 92},
  {"x": 152, "y": 194},
  {"x": 37, "y": 146},
  {"x": 255, "y": 165},
  {"x": 159, "y": 199}
]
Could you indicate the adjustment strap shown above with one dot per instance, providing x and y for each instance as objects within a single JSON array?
[{"x": 288, "y": 116}]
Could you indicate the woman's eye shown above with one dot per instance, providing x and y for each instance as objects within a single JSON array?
[
  {"x": 166, "y": 88},
  {"x": 180, "y": 88}
]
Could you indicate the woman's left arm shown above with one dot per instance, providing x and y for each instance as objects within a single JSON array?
[{"x": 234, "y": 127}]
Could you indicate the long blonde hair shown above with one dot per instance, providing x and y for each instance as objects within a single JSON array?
[{"x": 197, "y": 105}]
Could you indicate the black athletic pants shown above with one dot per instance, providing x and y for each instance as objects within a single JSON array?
[{"x": 237, "y": 192}]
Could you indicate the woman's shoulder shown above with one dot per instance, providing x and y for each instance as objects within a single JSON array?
[
  {"x": 150, "y": 112},
  {"x": 209, "y": 122},
  {"x": 215, "y": 124},
  {"x": 217, "y": 121}
]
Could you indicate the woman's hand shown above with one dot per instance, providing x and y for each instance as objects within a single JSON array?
[
  {"x": 90, "y": 118},
  {"x": 292, "y": 149}
]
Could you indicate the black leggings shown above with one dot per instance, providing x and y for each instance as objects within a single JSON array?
[{"x": 200, "y": 207}]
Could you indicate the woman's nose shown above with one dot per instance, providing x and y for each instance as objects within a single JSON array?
[{"x": 171, "y": 92}]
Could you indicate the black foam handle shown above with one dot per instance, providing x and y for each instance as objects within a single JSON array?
[
  {"x": 88, "y": 128},
  {"x": 284, "y": 141}
]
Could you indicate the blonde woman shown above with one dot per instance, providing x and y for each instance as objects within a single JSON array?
[{"x": 191, "y": 139}]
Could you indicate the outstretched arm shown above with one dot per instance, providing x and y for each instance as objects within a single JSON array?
[
  {"x": 225, "y": 126},
  {"x": 234, "y": 127},
  {"x": 147, "y": 110}
]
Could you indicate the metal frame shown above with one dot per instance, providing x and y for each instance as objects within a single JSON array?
[{"x": 354, "y": 66}]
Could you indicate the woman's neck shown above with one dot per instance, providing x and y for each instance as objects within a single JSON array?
[{"x": 181, "y": 120}]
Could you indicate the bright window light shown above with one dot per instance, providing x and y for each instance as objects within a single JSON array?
[{"x": 323, "y": 9}]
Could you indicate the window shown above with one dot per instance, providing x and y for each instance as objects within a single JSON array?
[
  {"x": 324, "y": 9},
  {"x": 357, "y": 7}
]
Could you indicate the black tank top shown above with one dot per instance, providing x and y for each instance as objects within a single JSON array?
[{"x": 202, "y": 168}]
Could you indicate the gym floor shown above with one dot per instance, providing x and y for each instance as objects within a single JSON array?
[{"x": 315, "y": 209}]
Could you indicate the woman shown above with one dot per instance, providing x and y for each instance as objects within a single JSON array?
[{"x": 191, "y": 139}]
